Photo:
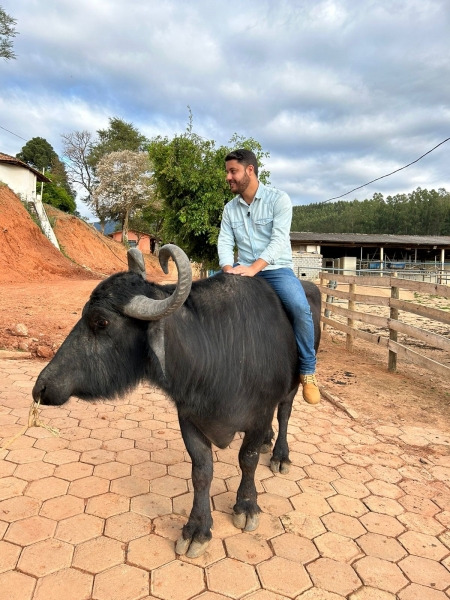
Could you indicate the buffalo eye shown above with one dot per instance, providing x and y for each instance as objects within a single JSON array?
[{"x": 101, "y": 323}]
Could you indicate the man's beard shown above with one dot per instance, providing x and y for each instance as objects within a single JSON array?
[{"x": 242, "y": 185}]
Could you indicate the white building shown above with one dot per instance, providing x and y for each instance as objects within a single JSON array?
[{"x": 22, "y": 179}]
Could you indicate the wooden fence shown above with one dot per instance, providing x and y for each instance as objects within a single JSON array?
[{"x": 392, "y": 324}]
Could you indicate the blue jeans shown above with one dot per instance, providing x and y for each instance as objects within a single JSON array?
[{"x": 292, "y": 295}]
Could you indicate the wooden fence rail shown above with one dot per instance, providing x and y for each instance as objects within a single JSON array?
[{"x": 392, "y": 324}]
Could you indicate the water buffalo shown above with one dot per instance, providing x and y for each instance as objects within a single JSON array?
[{"x": 222, "y": 348}]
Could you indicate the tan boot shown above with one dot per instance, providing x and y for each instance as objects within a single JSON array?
[{"x": 311, "y": 393}]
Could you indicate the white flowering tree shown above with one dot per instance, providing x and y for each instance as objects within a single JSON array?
[{"x": 125, "y": 185}]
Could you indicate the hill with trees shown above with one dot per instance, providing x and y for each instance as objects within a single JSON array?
[{"x": 421, "y": 212}]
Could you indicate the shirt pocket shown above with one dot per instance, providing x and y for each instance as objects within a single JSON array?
[
  {"x": 264, "y": 226},
  {"x": 238, "y": 230}
]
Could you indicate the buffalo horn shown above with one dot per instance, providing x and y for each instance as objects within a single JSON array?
[
  {"x": 136, "y": 262},
  {"x": 148, "y": 309}
]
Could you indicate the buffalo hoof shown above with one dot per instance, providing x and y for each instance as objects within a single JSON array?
[
  {"x": 280, "y": 466},
  {"x": 246, "y": 522},
  {"x": 266, "y": 448},
  {"x": 191, "y": 549}
]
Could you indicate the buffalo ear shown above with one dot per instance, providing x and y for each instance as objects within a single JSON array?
[
  {"x": 136, "y": 262},
  {"x": 157, "y": 345}
]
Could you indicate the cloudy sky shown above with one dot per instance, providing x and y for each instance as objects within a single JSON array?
[{"x": 340, "y": 92}]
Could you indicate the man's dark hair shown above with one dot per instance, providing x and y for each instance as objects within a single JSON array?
[{"x": 244, "y": 157}]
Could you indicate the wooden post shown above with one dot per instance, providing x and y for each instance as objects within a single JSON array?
[
  {"x": 350, "y": 322},
  {"x": 392, "y": 360},
  {"x": 327, "y": 312}
]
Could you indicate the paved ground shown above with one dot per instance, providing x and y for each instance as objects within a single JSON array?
[{"x": 363, "y": 514}]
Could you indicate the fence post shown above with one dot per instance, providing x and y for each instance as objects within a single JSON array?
[
  {"x": 350, "y": 322},
  {"x": 392, "y": 360},
  {"x": 332, "y": 285}
]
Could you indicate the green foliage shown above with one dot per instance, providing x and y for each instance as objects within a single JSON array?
[
  {"x": 7, "y": 32},
  {"x": 56, "y": 195},
  {"x": 38, "y": 153},
  {"x": 119, "y": 136},
  {"x": 421, "y": 212},
  {"x": 189, "y": 178}
]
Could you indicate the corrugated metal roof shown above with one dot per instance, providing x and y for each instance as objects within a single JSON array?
[
  {"x": 362, "y": 239},
  {"x": 5, "y": 158}
]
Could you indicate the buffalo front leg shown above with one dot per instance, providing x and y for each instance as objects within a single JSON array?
[
  {"x": 280, "y": 461},
  {"x": 196, "y": 534},
  {"x": 246, "y": 510}
]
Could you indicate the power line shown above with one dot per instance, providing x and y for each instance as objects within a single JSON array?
[
  {"x": 383, "y": 176},
  {"x": 4, "y": 128}
]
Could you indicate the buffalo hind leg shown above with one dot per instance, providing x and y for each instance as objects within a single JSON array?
[
  {"x": 196, "y": 534},
  {"x": 280, "y": 462},
  {"x": 246, "y": 510}
]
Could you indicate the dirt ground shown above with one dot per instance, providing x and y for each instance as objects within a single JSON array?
[{"x": 43, "y": 291}]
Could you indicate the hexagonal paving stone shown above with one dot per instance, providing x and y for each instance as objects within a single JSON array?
[
  {"x": 19, "y": 507},
  {"x": 89, "y": 487},
  {"x": 347, "y": 506},
  {"x": 423, "y": 545},
  {"x": 168, "y": 456},
  {"x": 384, "y": 506},
  {"x": 112, "y": 470},
  {"x": 295, "y": 548},
  {"x": 107, "y": 505},
  {"x": 333, "y": 576},
  {"x": 343, "y": 525},
  {"x": 97, "y": 457},
  {"x": 46, "y": 488},
  {"x": 127, "y": 526},
  {"x": 315, "y": 486},
  {"x": 69, "y": 584},
  {"x": 168, "y": 486},
  {"x": 214, "y": 552},
  {"x": 45, "y": 557},
  {"x": 421, "y": 506},
  {"x": 79, "y": 528},
  {"x": 421, "y": 523},
  {"x": 419, "y": 592},
  {"x": 149, "y": 470},
  {"x": 72, "y": 471},
  {"x": 31, "y": 530},
  {"x": 382, "y": 524},
  {"x": 352, "y": 489},
  {"x": 354, "y": 473},
  {"x": 150, "y": 552},
  {"x": 99, "y": 554},
  {"x": 311, "y": 504},
  {"x": 62, "y": 507},
  {"x": 17, "y": 586},
  {"x": 232, "y": 578},
  {"x": 9, "y": 554},
  {"x": 380, "y": 574},
  {"x": 322, "y": 473},
  {"x": 370, "y": 593},
  {"x": 337, "y": 547},
  {"x": 129, "y": 486},
  {"x": 425, "y": 572},
  {"x": 169, "y": 526},
  {"x": 11, "y": 486},
  {"x": 34, "y": 470},
  {"x": 281, "y": 487},
  {"x": 303, "y": 525},
  {"x": 188, "y": 577},
  {"x": 284, "y": 577},
  {"x": 25, "y": 455},
  {"x": 61, "y": 457},
  {"x": 151, "y": 505},
  {"x": 382, "y": 488},
  {"x": 274, "y": 505},
  {"x": 248, "y": 548},
  {"x": 381, "y": 546},
  {"x": 133, "y": 456}
]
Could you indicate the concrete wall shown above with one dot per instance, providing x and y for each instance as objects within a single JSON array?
[
  {"x": 20, "y": 180},
  {"x": 307, "y": 265}
]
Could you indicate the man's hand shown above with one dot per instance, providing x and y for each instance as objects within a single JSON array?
[
  {"x": 250, "y": 271},
  {"x": 244, "y": 271}
]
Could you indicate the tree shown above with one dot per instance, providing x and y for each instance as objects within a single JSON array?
[
  {"x": 84, "y": 152},
  {"x": 7, "y": 32},
  {"x": 125, "y": 184},
  {"x": 189, "y": 177},
  {"x": 120, "y": 135},
  {"x": 38, "y": 153}
]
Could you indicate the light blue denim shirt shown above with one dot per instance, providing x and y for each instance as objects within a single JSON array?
[{"x": 259, "y": 230}]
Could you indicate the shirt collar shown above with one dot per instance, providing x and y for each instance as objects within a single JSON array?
[{"x": 257, "y": 195}]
